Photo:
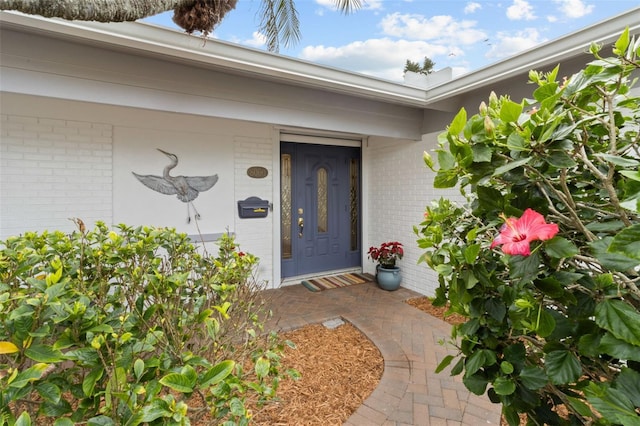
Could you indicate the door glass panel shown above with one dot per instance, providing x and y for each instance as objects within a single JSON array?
[
  {"x": 322, "y": 200},
  {"x": 285, "y": 198},
  {"x": 353, "y": 203}
]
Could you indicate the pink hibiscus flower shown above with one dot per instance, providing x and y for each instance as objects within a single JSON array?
[{"x": 517, "y": 234}]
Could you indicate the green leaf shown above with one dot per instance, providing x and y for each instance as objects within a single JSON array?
[
  {"x": 545, "y": 91},
  {"x": 445, "y": 179},
  {"x": 495, "y": 308},
  {"x": 524, "y": 267},
  {"x": 560, "y": 159},
  {"x": 480, "y": 358},
  {"x": 446, "y": 161},
  {"x": 490, "y": 199},
  {"x": 546, "y": 324},
  {"x": 627, "y": 383},
  {"x": 550, "y": 286},
  {"x": 511, "y": 415},
  {"x": 217, "y": 373},
  {"x": 23, "y": 420},
  {"x": 589, "y": 345},
  {"x": 457, "y": 125},
  {"x": 611, "y": 403},
  {"x": 562, "y": 367},
  {"x": 262, "y": 367},
  {"x": 155, "y": 410},
  {"x": 44, "y": 353},
  {"x": 619, "y": 348},
  {"x": 634, "y": 175},
  {"x": 559, "y": 248},
  {"x": 89, "y": 382},
  {"x": 63, "y": 422},
  {"x": 237, "y": 407},
  {"x": 444, "y": 363},
  {"x": 59, "y": 409},
  {"x": 471, "y": 253},
  {"x": 622, "y": 43},
  {"x": 611, "y": 225},
  {"x": 627, "y": 242},
  {"x": 506, "y": 367},
  {"x": 481, "y": 153},
  {"x": 515, "y": 354},
  {"x": 31, "y": 374},
  {"x": 476, "y": 383},
  {"x": 620, "y": 319},
  {"x": 138, "y": 368},
  {"x": 49, "y": 391},
  {"x": 101, "y": 421},
  {"x": 178, "y": 382},
  {"x": 510, "y": 166},
  {"x": 582, "y": 408},
  {"x": 515, "y": 142},
  {"x": 510, "y": 111},
  {"x": 614, "y": 261},
  {"x": 504, "y": 386},
  {"x": 619, "y": 161}
]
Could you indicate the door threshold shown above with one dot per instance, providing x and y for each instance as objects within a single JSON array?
[{"x": 297, "y": 279}]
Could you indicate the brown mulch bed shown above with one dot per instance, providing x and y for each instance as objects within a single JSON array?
[
  {"x": 340, "y": 368},
  {"x": 425, "y": 305}
]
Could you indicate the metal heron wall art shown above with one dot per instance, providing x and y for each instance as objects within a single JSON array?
[{"x": 186, "y": 188}]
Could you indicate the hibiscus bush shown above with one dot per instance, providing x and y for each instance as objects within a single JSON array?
[
  {"x": 130, "y": 326},
  {"x": 544, "y": 257}
]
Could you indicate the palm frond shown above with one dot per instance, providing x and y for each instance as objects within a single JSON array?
[
  {"x": 348, "y": 6},
  {"x": 279, "y": 22}
]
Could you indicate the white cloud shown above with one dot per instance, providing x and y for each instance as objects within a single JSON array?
[
  {"x": 574, "y": 8},
  {"x": 520, "y": 10},
  {"x": 552, "y": 18},
  {"x": 472, "y": 7},
  {"x": 364, "y": 56},
  {"x": 257, "y": 40},
  {"x": 443, "y": 29},
  {"x": 509, "y": 43},
  {"x": 366, "y": 4}
]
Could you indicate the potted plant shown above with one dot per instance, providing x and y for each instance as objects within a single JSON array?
[{"x": 387, "y": 273}]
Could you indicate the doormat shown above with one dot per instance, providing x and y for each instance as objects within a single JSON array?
[{"x": 336, "y": 281}]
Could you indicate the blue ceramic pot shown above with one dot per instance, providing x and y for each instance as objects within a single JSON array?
[{"x": 389, "y": 278}]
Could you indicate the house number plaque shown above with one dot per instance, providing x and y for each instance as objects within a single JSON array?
[{"x": 257, "y": 172}]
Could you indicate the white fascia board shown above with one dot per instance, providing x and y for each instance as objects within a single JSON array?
[
  {"x": 551, "y": 53},
  {"x": 180, "y": 46}
]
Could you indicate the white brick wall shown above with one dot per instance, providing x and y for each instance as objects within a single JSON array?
[
  {"x": 401, "y": 186},
  {"x": 52, "y": 170},
  {"x": 255, "y": 235}
]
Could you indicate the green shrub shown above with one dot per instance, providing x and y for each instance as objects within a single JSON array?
[
  {"x": 552, "y": 298},
  {"x": 126, "y": 326}
]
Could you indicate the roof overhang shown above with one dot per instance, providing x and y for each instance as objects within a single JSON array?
[{"x": 173, "y": 45}]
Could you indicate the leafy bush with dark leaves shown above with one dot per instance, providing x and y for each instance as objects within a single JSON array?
[{"x": 544, "y": 259}]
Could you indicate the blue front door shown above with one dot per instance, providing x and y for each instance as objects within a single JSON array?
[{"x": 320, "y": 191}]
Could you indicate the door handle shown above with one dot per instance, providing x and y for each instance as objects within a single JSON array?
[{"x": 300, "y": 227}]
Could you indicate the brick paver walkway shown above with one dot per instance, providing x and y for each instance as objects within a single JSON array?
[{"x": 410, "y": 392}]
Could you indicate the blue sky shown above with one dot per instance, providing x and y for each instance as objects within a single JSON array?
[{"x": 379, "y": 38}]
